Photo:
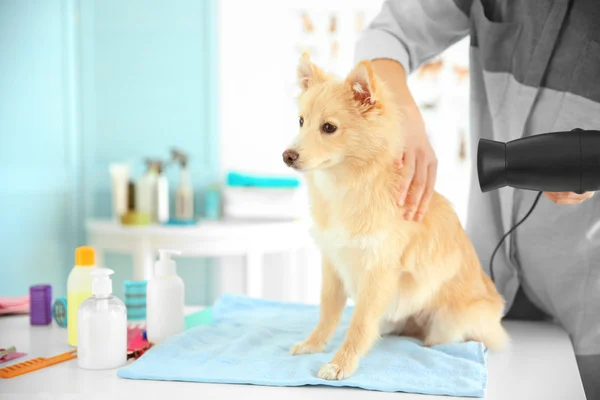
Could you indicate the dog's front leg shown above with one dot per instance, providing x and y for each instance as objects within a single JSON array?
[
  {"x": 375, "y": 294},
  {"x": 333, "y": 300}
]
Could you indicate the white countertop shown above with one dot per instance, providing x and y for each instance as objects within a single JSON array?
[{"x": 539, "y": 365}]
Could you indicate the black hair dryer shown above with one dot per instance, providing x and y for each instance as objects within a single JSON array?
[{"x": 550, "y": 162}]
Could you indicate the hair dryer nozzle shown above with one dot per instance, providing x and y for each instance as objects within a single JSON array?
[
  {"x": 491, "y": 164},
  {"x": 567, "y": 161}
]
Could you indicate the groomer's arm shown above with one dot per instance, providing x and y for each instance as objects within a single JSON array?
[
  {"x": 404, "y": 35},
  {"x": 418, "y": 160}
]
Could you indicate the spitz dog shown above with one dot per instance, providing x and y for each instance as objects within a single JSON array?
[{"x": 420, "y": 279}]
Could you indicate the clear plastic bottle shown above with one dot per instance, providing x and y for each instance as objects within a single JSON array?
[{"x": 102, "y": 326}]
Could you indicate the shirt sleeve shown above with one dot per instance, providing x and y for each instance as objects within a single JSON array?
[{"x": 414, "y": 31}]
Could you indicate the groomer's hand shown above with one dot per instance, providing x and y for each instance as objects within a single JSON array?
[
  {"x": 418, "y": 162},
  {"x": 419, "y": 169},
  {"x": 568, "y": 197}
]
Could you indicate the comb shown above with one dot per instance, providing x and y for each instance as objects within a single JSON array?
[{"x": 35, "y": 364}]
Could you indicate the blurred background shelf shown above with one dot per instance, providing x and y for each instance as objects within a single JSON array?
[{"x": 251, "y": 240}]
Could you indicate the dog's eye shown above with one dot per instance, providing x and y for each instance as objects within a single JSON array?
[
  {"x": 301, "y": 121},
  {"x": 329, "y": 128}
]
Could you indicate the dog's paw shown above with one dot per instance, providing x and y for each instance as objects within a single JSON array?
[
  {"x": 306, "y": 348},
  {"x": 336, "y": 372},
  {"x": 431, "y": 341}
]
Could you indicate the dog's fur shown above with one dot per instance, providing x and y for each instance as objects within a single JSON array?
[{"x": 421, "y": 279}]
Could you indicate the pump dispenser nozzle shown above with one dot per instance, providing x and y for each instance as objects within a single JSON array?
[
  {"x": 177, "y": 155},
  {"x": 165, "y": 265},
  {"x": 165, "y": 254},
  {"x": 102, "y": 283}
]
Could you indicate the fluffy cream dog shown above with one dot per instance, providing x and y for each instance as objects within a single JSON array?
[{"x": 421, "y": 279}]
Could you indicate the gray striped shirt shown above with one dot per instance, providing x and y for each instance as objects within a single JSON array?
[{"x": 534, "y": 68}]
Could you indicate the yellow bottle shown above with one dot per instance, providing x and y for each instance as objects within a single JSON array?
[{"x": 79, "y": 287}]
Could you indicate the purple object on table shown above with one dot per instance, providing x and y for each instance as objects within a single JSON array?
[{"x": 40, "y": 309}]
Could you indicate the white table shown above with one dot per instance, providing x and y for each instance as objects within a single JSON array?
[
  {"x": 539, "y": 365},
  {"x": 252, "y": 240}
]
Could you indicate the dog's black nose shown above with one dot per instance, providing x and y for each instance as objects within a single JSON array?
[{"x": 289, "y": 156}]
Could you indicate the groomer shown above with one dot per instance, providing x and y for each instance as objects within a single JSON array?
[{"x": 534, "y": 68}]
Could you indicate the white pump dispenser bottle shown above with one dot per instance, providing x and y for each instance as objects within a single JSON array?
[
  {"x": 102, "y": 327},
  {"x": 165, "y": 295}
]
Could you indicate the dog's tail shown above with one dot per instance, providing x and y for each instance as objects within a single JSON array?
[
  {"x": 496, "y": 338},
  {"x": 486, "y": 324}
]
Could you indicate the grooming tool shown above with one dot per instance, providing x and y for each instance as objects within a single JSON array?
[
  {"x": 566, "y": 161},
  {"x": 551, "y": 162},
  {"x": 40, "y": 297},
  {"x": 35, "y": 364}
]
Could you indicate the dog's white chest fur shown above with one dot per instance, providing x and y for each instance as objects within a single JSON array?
[{"x": 349, "y": 255}]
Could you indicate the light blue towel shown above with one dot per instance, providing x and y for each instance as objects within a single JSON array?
[{"x": 248, "y": 342}]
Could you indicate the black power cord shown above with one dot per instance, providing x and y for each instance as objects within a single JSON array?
[{"x": 511, "y": 231}]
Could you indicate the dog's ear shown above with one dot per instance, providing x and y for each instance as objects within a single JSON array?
[
  {"x": 363, "y": 84},
  {"x": 308, "y": 73}
]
